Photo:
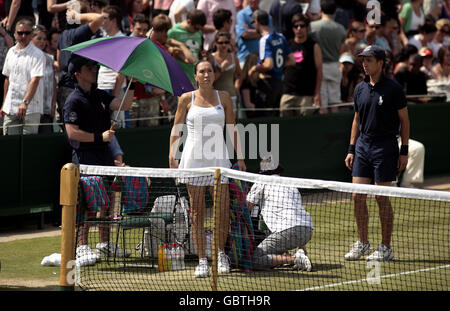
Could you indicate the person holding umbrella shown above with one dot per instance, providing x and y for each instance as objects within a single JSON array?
[
  {"x": 87, "y": 123},
  {"x": 205, "y": 107}
]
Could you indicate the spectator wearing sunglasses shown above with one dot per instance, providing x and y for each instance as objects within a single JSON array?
[
  {"x": 302, "y": 82},
  {"x": 373, "y": 35},
  {"x": 23, "y": 69}
]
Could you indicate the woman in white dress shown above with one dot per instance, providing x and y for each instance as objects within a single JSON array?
[{"x": 205, "y": 112}]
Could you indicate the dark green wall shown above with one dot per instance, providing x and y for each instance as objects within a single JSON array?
[{"x": 310, "y": 147}]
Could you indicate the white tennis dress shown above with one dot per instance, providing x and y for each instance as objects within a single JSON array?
[{"x": 205, "y": 144}]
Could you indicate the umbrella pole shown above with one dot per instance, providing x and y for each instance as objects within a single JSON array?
[{"x": 120, "y": 107}]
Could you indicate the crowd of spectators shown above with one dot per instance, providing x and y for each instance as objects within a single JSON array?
[{"x": 274, "y": 57}]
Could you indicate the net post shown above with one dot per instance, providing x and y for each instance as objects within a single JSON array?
[
  {"x": 70, "y": 177},
  {"x": 216, "y": 221}
]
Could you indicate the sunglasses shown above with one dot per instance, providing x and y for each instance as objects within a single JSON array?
[
  {"x": 21, "y": 33},
  {"x": 299, "y": 26},
  {"x": 223, "y": 42},
  {"x": 359, "y": 30}
]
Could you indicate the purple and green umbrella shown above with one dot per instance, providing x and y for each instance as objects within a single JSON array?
[{"x": 138, "y": 58}]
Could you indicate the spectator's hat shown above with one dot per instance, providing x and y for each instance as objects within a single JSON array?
[
  {"x": 346, "y": 59},
  {"x": 424, "y": 52},
  {"x": 76, "y": 62},
  {"x": 375, "y": 51},
  {"x": 268, "y": 166},
  {"x": 261, "y": 17},
  {"x": 441, "y": 23}
]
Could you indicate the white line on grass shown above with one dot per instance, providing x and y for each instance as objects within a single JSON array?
[{"x": 382, "y": 276}]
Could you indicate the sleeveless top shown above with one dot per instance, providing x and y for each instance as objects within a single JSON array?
[
  {"x": 205, "y": 144},
  {"x": 226, "y": 79}
]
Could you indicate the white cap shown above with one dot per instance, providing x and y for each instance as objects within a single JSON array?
[
  {"x": 346, "y": 59},
  {"x": 268, "y": 164}
]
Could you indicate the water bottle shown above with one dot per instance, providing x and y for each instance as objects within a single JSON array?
[
  {"x": 180, "y": 251},
  {"x": 175, "y": 257},
  {"x": 161, "y": 258},
  {"x": 168, "y": 255}
]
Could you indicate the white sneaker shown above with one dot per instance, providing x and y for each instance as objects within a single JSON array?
[
  {"x": 382, "y": 253},
  {"x": 110, "y": 249},
  {"x": 85, "y": 256},
  {"x": 302, "y": 261},
  {"x": 202, "y": 270},
  {"x": 358, "y": 250},
  {"x": 223, "y": 263}
]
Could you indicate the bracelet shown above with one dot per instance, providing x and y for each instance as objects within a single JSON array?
[
  {"x": 404, "y": 150},
  {"x": 98, "y": 138},
  {"x": 351, "y": 149}
]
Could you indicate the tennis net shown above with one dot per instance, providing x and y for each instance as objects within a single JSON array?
[{"x": 278, "y": 233}]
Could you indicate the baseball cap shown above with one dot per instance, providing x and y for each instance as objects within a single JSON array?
[
  {"x": 346, "y": 59},
  {"x": 269, "y": 166},
  {"x": 261, "y": 17},
  {"x": 375, "y": 51},
  {"x": 76, "y": 62}
]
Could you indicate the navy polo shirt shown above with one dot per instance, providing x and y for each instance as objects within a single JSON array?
[
  {"x": 90, "y": 111},
  {"x": 378, "y": 107}
]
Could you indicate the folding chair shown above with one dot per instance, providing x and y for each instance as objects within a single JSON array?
[{"x": 156, "y": 222}]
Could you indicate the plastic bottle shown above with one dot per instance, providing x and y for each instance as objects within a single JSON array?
[
  {"x": 168, "y": 255},
  {"x": 180, "y": 252},
  {"x": 175, "y": 257},
  {"x": 161, "y": 258}
]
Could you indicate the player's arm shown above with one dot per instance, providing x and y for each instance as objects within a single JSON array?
[
  {"x": 177, "y": 129},
  {"x": 404, "y": 134},
  {"x": 231, "y": 128},
  {"x": 353, "y": 137}
]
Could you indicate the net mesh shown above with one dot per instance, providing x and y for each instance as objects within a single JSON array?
[{"x": 276, "y": 233}]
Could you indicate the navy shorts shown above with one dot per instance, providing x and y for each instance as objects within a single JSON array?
[{"x": 376, "y": 159}]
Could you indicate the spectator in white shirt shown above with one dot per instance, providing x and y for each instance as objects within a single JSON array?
[{"x": 23, "y": 69}]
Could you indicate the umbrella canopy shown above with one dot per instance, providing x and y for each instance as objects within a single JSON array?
[{"x": 138, "y": 58}]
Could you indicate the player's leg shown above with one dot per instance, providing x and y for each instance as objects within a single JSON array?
[
  {"x": 223, "y": 226},
  {"x": 197, "y": 202},
  {"x": 198, "y": 209}
]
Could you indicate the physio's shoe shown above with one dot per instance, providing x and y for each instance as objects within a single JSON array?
[
  {"x": 382, "y": 253},
  {"x": 202, "y": 270},
  {"x": 358, "y": 250},
  {"x": 302, "y": 261}
]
